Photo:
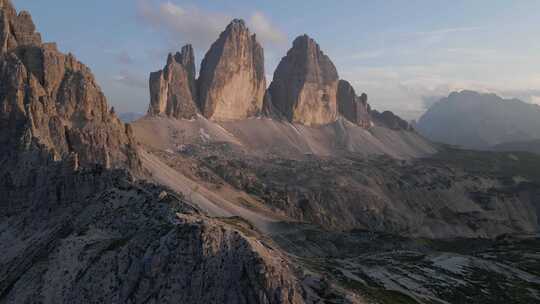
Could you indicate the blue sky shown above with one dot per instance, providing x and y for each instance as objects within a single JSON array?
[{"x": 401, "y": 53}]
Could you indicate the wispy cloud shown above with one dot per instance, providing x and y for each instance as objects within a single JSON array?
[
  {"x": 129, "y": 79},
  {"x": 120, "y": 57},
  {"x": 124, "y": 58},
  {"x": 450, "y": 30},
  {"x": 191, "y": 24},
  {"x": 182, "y": 24},
  {"x": 266, "y": 31}
]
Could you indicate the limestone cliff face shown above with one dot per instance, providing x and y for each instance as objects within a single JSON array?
[
  {"x": 50, "y": 99},
  {"x": 232, "y": 82},
  {"x": 305, "y": 83},
  {"x": 172, "y": 90},
  {"x": 351, "y": 106}
]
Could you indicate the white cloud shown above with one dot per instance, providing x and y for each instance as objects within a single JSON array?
[
  {"x": 404, "y": 88},
  {"x": 265, "y": 31},
  {"x": 450, "y": 30},
  {"x": 127, "y": 78},
  {"x": 535, "y": 99},
  {"x": 182, "y": 24},
  {"x": 191, "y": 24}
]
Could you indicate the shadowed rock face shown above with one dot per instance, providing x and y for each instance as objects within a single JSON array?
[
  {"x": 232, "y": 82},
  {"x": 51, "y": 100},
  {"x": 354, "y": 108},
  {"x": 112, "y": 240},
  {"x": 172, "y": 90},
  {"x": 305, "y": 84}
]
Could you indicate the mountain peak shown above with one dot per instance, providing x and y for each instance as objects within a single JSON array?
[
  {"x": 237, "y": 22},
  {"x": 480, "y": 120},
  {"x": 232, "y": 82},
  {"x": 305, "y": 82}
]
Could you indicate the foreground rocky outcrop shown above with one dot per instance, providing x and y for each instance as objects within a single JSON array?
[
  {"x": 353, "y": 107},
  {"x": 52, "y": 100},
  {"x": 305, "y": 83},
  {"x": 232, "y": 82},
  {"x": 119, "y": 241},
  {"x": 173, "y": 90}
]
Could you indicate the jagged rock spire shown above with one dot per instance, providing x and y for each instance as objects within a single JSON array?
[
  {"x": 353, "y": 107},
  {"x": 232, "y": 82},
  {"x": 173, "y": 89}
]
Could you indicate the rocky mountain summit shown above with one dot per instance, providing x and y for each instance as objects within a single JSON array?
[
  {"x": 173, "y": 90},
  {"x": 232, "y": 83},
  {"x": 304, "y": 88}
]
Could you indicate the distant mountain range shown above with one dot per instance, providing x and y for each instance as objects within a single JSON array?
[
  {"x": 480, "y": 121},
  {"x": 523, "y": 146},
  {"x": 128, "y": 117}
]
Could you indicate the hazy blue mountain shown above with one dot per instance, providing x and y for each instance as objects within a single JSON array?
[
  {"x": 480, "y": 121},
  {"x": 129, "y": 116},
  {"x": 524, "y": 146}
]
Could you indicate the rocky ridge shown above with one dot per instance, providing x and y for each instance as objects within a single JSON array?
[{"x": 390, "y": 120}]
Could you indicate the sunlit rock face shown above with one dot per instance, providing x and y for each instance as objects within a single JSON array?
[
  {"x": 304, "y": 88},
  {"x": 172, "y": 90},
  {"x": 232, "y": 82}
]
